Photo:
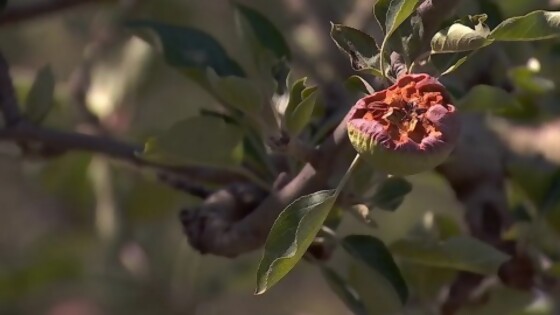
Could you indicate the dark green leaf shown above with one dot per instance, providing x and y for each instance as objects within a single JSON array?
[
  {"x": 460, "y": 253},
  {"x": 40, "y": 99},
  {"x": 536, "y": 25},
  {"x": 238, "y": 92},
  {"x": 190, "y": 49},
  {"x": 356, "y": 83},
  {"x": 359, "y": 46},
  {"x": 380, "y": 9},
  {"x": 374, "y": 254},
  {"x": 265, "y": 32},
  {"x": 377, "y": 293},
  {"x": 485, "y": 98},
  {"x": 202, "y": 140},
  {"x": 290, "y": 236},
  {"x": 534, "y": 182},
  {"x": 346, "y": 293},
  {"x": 391, "y": 192},
  {"x": 456, "y": 65}
]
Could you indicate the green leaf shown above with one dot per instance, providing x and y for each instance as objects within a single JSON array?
[
  {"x": 377, "y": 292},
  {"x": 267, "y": 35},
  {"x": 504, "y": 300},
  {"x": 460, "y": 37},
  {"x": 426, "y": 282},
  {"x": 460, "y": 253},
  {"x": 391, "y": 192},
  {"x": 356, "y": 83},
  {"x": 530, "y": 81},
  {"x": 189, "y": 49},
  {"x": 380, "y": 9},
  {"x": 359, "y": 46},
  {"x": 290, "y": 236},
  {"x": 536, "y": 25},
  {"x": 238, "y": 92},
  {"x": 300, "y": 107},
  {"x": 296, "y": 89},
  {"x": 397, "y": 13},
  {"x": 202, "y": 140},
  {"x": 346, "y": 293},
  {"x": 455, "y": 66},
  {"x": 534, "y": 182},
  {"x": 40, "y": 98},
  {"x": 485, "y": 98},
  {"x": 373, "y": 253}
]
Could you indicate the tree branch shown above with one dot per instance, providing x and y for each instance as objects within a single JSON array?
[
  {"x": 20, "y": 131},
  {"x": 29, "y": 11},
  {"x": 210, "y": 231}
]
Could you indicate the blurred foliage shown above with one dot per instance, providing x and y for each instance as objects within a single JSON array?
[{"x": 209, "y": 103}]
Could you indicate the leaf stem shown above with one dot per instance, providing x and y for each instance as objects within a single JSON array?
[
  {"x": 346, "y": 176},
  {"x": 382, "y": 59}
]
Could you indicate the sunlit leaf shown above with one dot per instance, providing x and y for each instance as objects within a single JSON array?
[
  {"x": 290, "y": 236},
  {"x": 397, "y": 12},
  {"x": 485, "y": 98},
  {"x": 536, "y": 25},
  {"x": 374, "y": 254},
  {"x": 359, "y": 46},
  {"x": 40, "y": 98},
  {"x": 267, "y": 35},
  {"x": 347, "y": 294},
  {"x": 202, "y": 140},
  {"x": 390, "y": 193},
  {"x": 236, "y": 91},
  {"x": 460, "y": 37},
  {"x": 460, "y": 253},
  {"x": 189, "y": 48}
]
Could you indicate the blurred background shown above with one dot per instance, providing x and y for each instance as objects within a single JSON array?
[{"x": 83, "y": 235}]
